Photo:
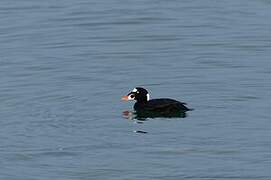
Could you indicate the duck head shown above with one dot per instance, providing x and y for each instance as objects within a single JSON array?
[{"x": 138, "y": 94}]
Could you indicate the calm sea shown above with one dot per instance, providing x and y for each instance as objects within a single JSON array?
[{"x": 65, "y": 64}]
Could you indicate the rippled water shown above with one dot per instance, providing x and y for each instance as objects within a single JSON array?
[{"x": 65, "y": 64}]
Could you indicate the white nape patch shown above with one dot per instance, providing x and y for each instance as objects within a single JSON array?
[
  {"x": 148, "y": 97},
  {"x": 134, "y": 90}
]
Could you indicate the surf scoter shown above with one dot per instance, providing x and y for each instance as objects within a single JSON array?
[{"x": 155, "y": 107}]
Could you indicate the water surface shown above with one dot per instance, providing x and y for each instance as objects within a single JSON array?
[{"x": 65, "y": 64}]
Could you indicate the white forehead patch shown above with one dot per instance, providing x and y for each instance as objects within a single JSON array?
[
  {"x": 134, "y": 90},
  {"x": 148, "y": 97}
]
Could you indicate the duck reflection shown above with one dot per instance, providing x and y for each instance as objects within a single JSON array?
[{"x": 144, "y": 115}]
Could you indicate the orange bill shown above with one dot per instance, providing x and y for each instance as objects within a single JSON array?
[{"x": 125, "y": 98}]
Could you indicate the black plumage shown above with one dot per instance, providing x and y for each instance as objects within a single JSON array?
[
  {"x": 162, "y": 104},
  {"x": 163, "y": 107}
]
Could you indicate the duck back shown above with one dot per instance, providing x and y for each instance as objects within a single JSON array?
[{"x": 165, "y": 105}]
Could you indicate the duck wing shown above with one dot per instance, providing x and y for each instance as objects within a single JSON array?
[{"x": 163, "y": 104}]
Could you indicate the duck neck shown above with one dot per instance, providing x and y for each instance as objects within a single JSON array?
[{"x": 139, "y": 104}]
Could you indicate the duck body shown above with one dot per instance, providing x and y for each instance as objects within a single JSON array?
[{"x": 162, "y": 107}]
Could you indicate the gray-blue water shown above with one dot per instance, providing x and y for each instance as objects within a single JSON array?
[{"x": 64, "y": 66}]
